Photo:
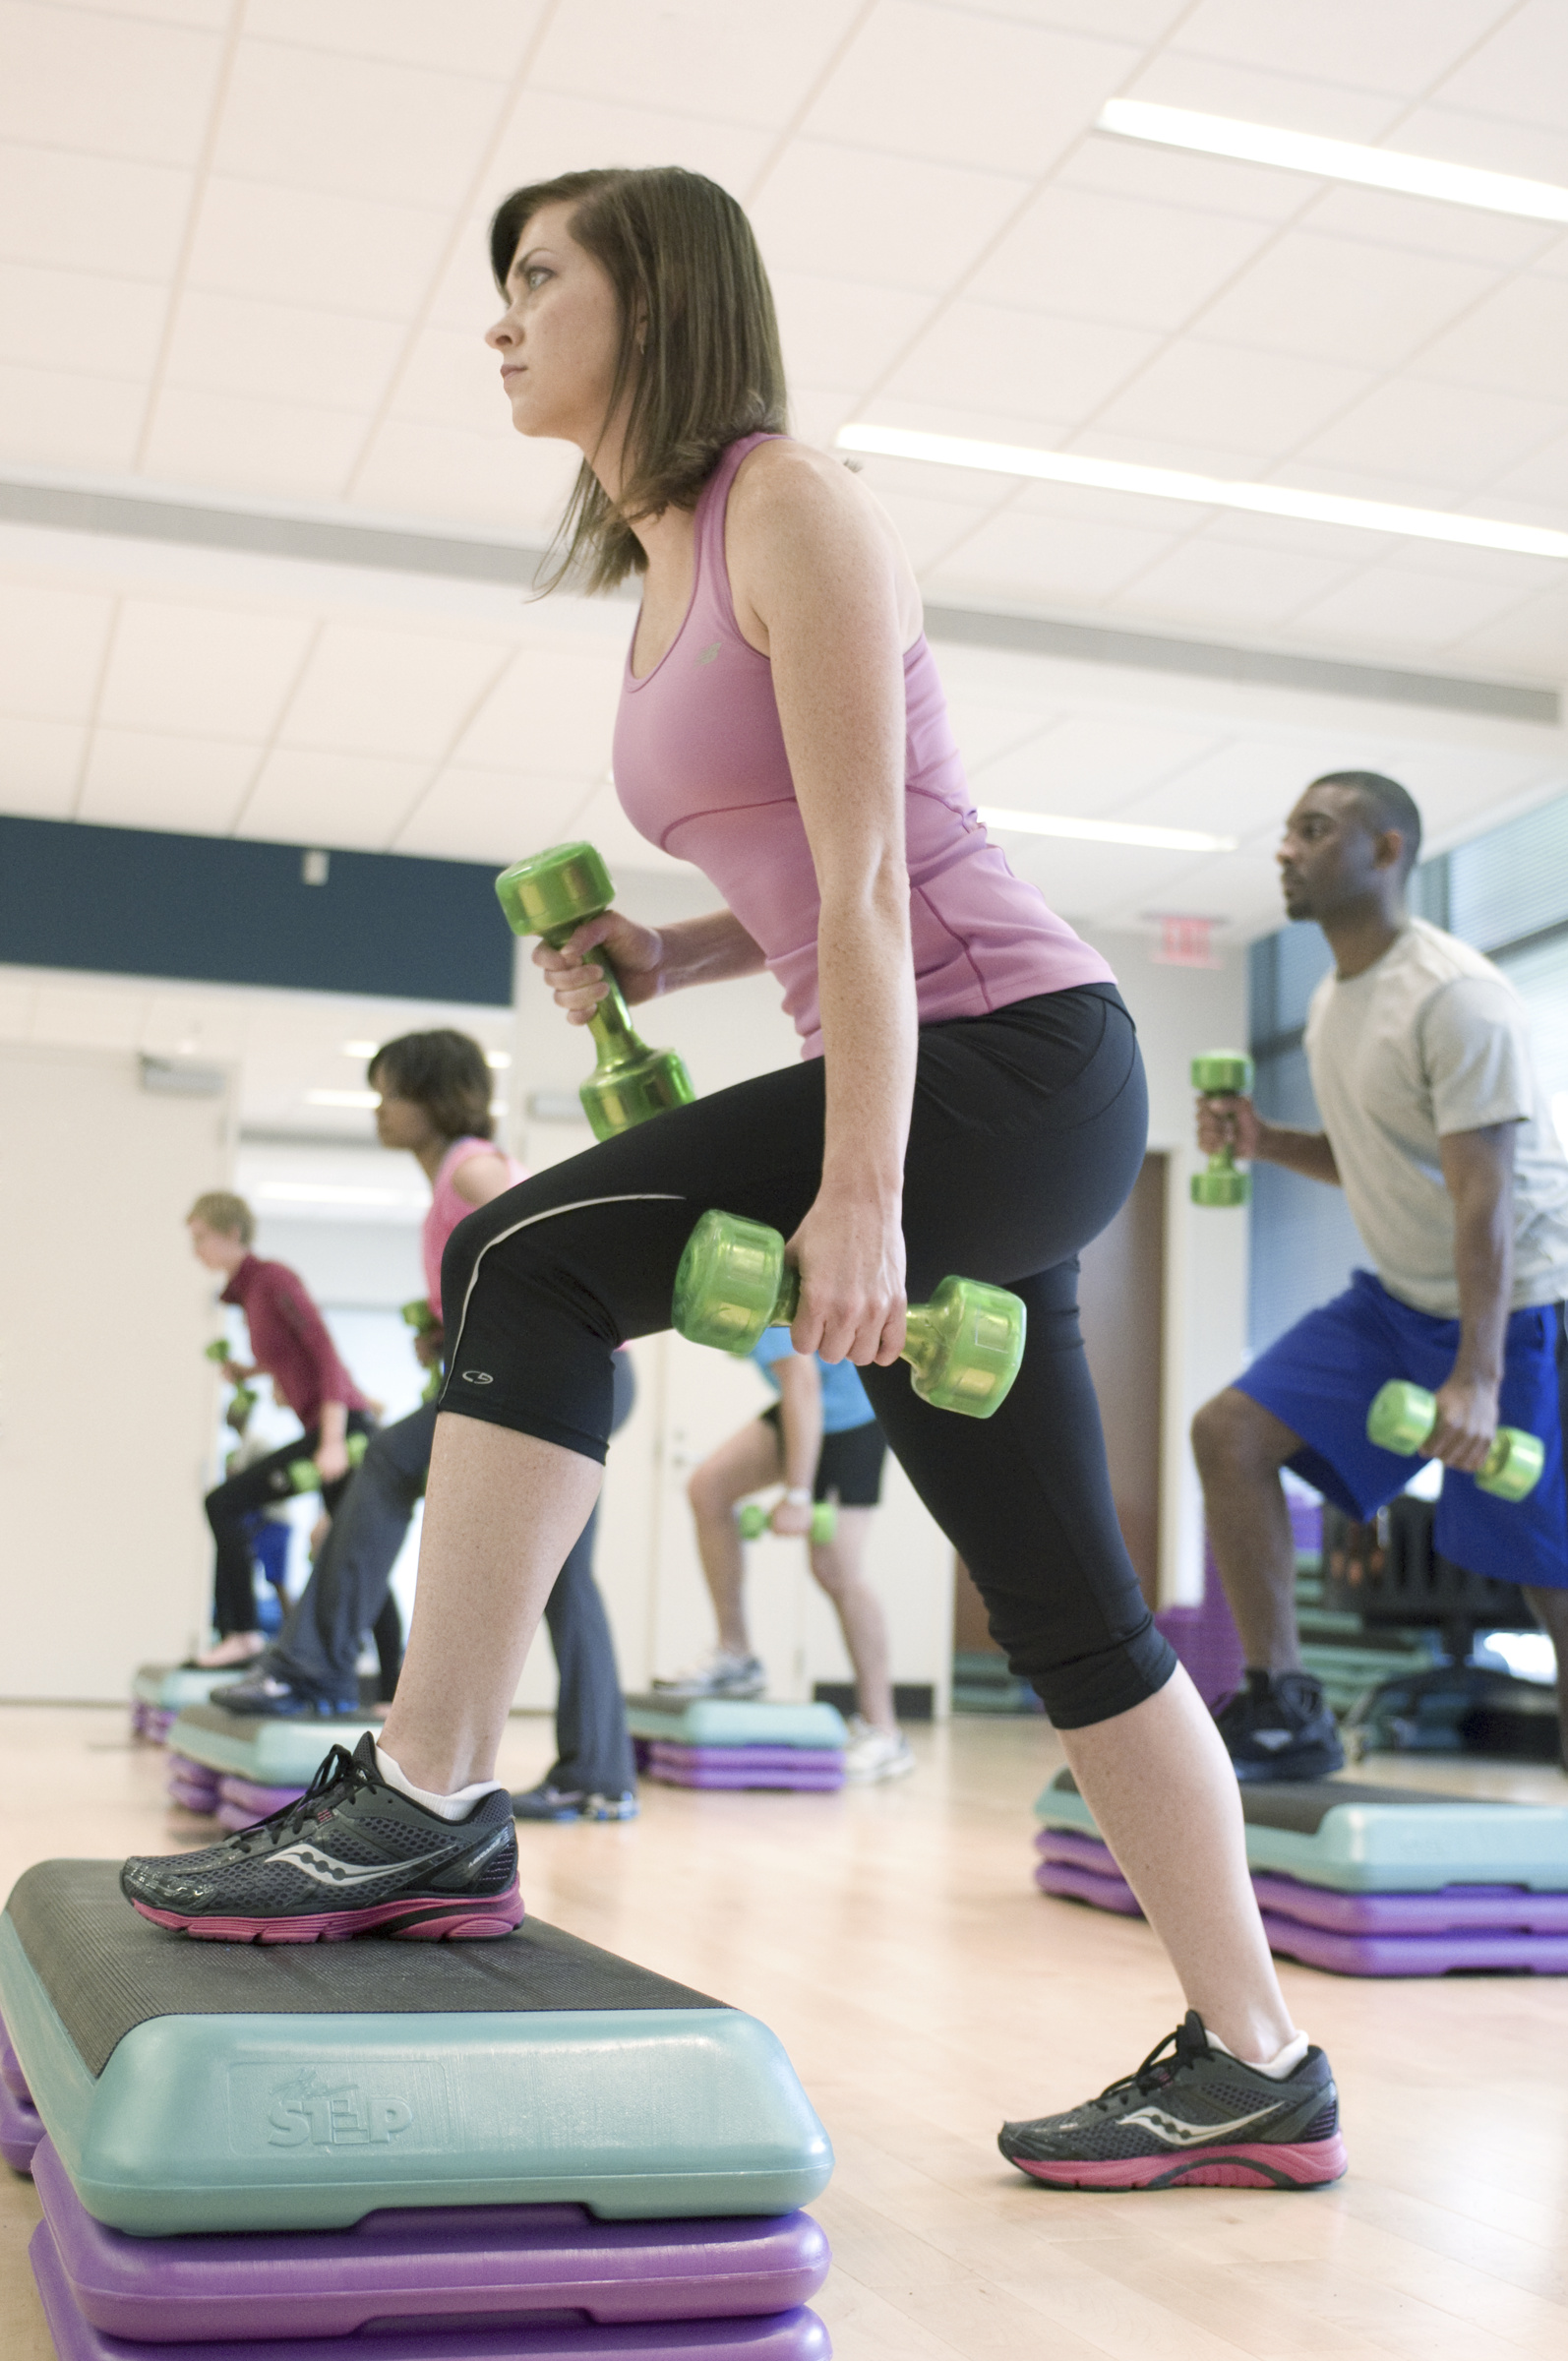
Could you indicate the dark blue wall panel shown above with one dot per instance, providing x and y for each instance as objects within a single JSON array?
[{"x": 131, "y": 902}]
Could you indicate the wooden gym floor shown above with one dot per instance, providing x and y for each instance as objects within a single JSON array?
[{"x": 924, "y": 1989}]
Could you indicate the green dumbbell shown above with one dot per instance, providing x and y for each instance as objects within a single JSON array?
[
  {"x": 418, "y": 1316},
  {"x": 1222, "y": 1074},
  {"x": 551, "y": 894},
  {"x": 964, "y": 1346},
  {"x": 753, "y": 1521},
  {"x": 242, "y": 1401},
  {"x": 1403, "y": 1415},
  {"x": 305, "y": 1477}
]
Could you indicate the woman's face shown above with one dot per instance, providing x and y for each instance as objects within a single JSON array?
[
  {"x": 402, "y": 1122},
  {"x": 559, "y": 336}
]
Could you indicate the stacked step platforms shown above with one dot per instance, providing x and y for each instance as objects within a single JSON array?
[
  {"x": 1366, "y": 1880},
  {"x": 221, "y": 1763},
  {"x": 737, "y": 1742},
  {"x": 292, "y": 2144},
  {"x": 21, "y": 2124},
  {"x": 160, "y": 1693}
]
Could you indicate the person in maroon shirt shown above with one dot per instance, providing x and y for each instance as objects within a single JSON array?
[{"x": 290, "y": 1343}]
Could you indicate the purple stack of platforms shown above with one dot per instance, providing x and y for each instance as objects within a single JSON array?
[
  {"x": 241, "y": 1802},
  {"x": 20, "y": 2125},
  {"x": 448, "y": 2283},
  {"x": 192, "y": 1786},
  {"x": 150, "y": 1722},
  {"x": 812, "y": 1767}
]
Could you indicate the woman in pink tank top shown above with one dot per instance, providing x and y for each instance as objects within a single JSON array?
[{"x": 971, "y": 1098}]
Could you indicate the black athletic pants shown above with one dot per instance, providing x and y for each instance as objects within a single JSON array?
[
  {"x": 260, "y": 1485},
  {"x": 1027, "y": 1133}
]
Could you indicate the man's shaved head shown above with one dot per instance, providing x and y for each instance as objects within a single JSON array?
[{"x": 1385, "y": 803}]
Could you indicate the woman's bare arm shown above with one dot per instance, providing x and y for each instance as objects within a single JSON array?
[{"x": 648, "y": 961}]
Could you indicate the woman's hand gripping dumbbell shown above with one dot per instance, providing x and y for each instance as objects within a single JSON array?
[
  {"x": 755, "y": 1520},
  {"x": 733, "y": 1281}
]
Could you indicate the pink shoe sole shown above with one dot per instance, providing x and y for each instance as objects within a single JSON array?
[
  {"x": 417, "y": 1918},
  {"x": 1308, "y": 2164}
]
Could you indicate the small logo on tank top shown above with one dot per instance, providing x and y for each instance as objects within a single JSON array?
[{"x": 709, "y": 653}]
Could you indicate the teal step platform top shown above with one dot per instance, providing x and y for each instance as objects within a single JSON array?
[
  {"x": 733, "y": 1721},
  {"x": 235, "y": 2087},
  {"x": 259, "y": 1747},
  {"x": 1371, "y": 1840},
  {"x": 168, "y": 1688}
]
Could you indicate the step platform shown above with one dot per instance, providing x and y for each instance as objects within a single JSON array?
[
  {"x": 260, "y": 1748},
  {"x": 241, "y": 1802},
  {"x": 737, "y": 1741},
  {"x": 1375, "y": 1840},
  {"x": 159, "y": 1693},
  {"x": 21, "y": 2124},
  {"x": 203, "y": 2086},
  {"x": 192, "y": 1785},
  {"x": 427, "y": 2264}
]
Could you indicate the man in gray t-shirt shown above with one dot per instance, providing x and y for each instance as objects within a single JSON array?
[{"x": 1434, "y": 1128}]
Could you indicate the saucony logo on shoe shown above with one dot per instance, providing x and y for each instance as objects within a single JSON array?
[
  {"x": 1193, "y": 2135},
  {"x": 326, "y": 1872}
]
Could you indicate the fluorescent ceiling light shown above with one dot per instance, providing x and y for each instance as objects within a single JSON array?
[
  {"x": 1335, "y": 159},
  {"x": 1207, "y": 491},
  {"x": 1107, "y": 831},
  {"x": 498, "y": 1061},
  {"x": 343, "y": 1098},
  {"x": 327, "y": 1193},
  {"x": 360, "y": 1049}
]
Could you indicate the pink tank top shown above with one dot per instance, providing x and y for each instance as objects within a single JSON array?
[
  {"x": 447, "y": 1209},
  {"x": 702, "y": 772}
]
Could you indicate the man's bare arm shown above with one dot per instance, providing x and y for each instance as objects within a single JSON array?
[{"x": 1479, "y": 1172}]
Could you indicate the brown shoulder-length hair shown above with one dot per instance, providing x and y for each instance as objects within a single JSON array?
[
  {"x": 445, "y": 1072},
  {"x": 699, "y": 345}
]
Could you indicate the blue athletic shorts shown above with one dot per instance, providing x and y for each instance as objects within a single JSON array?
[{"x": 1319, "y": 1379}]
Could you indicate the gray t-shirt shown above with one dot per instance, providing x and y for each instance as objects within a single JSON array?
[{"x": 1431, "y": 1040}]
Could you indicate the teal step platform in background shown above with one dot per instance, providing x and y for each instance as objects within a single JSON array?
[
  {"x": 734, "y": 1722},
  {"x": 219, "y": 2086},
  {"x": 1371, "y": 1840},
  {"x": 269, "y": 1752},
  {"x": 170, "y": 1688}
]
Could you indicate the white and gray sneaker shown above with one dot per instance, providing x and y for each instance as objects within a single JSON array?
[
  {"x": 873, "y": 1754},
  {"x": 720, "y": 1674}
]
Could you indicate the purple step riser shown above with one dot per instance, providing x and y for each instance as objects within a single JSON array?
[
  {"x": 11, "y": 2074},
  {"x": 677, "y": 1775},
  {"x": 21, "y": 2130},
  {"x": 258, "y": 1802},
  {"x": 744, "y": 1758},
  {"x": 1449, "y": 1911},
  {"x": 423, "y": 2262},
  {"x": 793, "y": 2336}
]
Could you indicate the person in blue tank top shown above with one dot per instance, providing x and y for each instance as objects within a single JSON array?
[{"x": 820, "y": 1440}]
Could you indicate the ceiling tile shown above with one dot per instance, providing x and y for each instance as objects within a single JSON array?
[
  {"x": 64, "y": 418},
  {"x": 1334, "y": 298},
  {"x": 1292, "y": 101},
  {"x": 985, "y": 731},
  {"x": 352, "y": 802},
  {"x": 1089, "y": 764},
  {"x": 967, "y": 90},
  {"x": 1046, "y": 559},
  {"x": 1521, "y": 72},
  {"x": 109, "y": 85},
  {"x": 1129, "y": 20},
  {"x": 1543, "y": 477},
  {"x": 380, "y": 692},
  {"x": 846, "y": 213},
  {"x": 1400, "y": 607},
  {"x": 974, "y": 487},
  {"x": 55, "y": 208},
  {"x": 553, "y": 713},
  {"x": 40, "y": 765},
  {"x": 700, "y": 57},
  {"x": 252, "y": 445},
  {"x": 314, "y": 121},
  {"x": 414, "y": 469},
  {"x": 1167, "y": 518},
  {"x": 1455, "y": 233},
  {"x": 499, "y": 816},
  {"x": 1243, "y": 789},
  {"x": 1033, "y": 366},
  {"x": 929, "y": 529},
  {"x": 1530, "y": 641},
  {"x": 324, "y": 251},
  {"x": 1209, "y": 184},
  {"x": 1082, "y": 881},
  {"x": 1111, "y": 258},
  {"x": 1245, "y": 589},
  {"x": 224, "y": 671},
  {"x": 487, "y": 37},
  {"x": 1537, "y": 150},
  {"x": 146, "y": 779},
  {"x": 1517, "y": 341},
  {"x": 840, "y": 331},
  {"x": 213, "y": 15},
  {"x": 52, "y": 317},
  {"x": 1260, "y": 403},
  {"x": 1446, "y": 439},
  {"x": 816, "y": 413},
  {"x": 51, "y": 649},
  {"x": 1399, "y": 46},
  {"x": 1241, "y": 891},
  {"x": 453, "y": 379},
  {"x": 279, "y": 352},
  {"x": 552, "y": 132}
]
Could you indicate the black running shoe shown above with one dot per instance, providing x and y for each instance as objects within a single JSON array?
[
  {"x": 353, "y": 1856},
  {"x": 271, "y": 1693},
  {"x": 1192, "y": 2113},
  {"x": 1278, "y": 1728},
  {"x": 545, "y": 1802}
]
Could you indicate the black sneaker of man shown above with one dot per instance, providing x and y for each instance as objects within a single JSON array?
[
  {"x": 353, "y": 1856},
  {"x": 1191, "y": 2114},
  {"x": 1280, "y": 1728},
  {"x": 545, "y": 1802},
  {"x": 271, "y": 1693}
]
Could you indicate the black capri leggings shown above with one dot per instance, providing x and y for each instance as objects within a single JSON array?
[{"x": 1026, "y": 1134}]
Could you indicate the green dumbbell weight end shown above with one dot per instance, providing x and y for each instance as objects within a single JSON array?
[
  {"x": 551, "y": 894},
  {"x": 1403, "y": 1415},
  {"x": 418, "y": 1316},
  {"x": 242, "y": 1401},
  {"x": 1222, "y": 1074},
  {"x": 964, "y": 1346},
  {"x": 753, "y": 1521},
  {"x": 305, "y": 1477}
]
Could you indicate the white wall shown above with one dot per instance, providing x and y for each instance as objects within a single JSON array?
[{"x": 106, "y": 1404}]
